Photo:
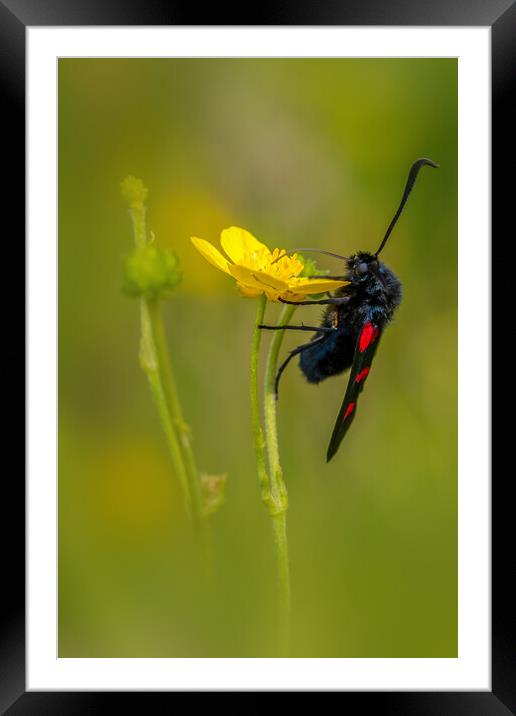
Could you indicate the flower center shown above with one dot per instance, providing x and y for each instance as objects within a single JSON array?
[{"x": 267, "y": 262}]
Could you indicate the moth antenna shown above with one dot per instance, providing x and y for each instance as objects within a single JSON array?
[
  {"x": 317, "y": 251},
  {"x": 411, "y": 180}
]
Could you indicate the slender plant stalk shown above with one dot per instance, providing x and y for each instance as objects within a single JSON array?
[
  {"x": 259, "y": 440},
  {"x": 137, "y": 214},
  {"x": 150, "y": 365},
  {"x": 279, "y": 528},
  {"x": 182, "y": 430},
  {"x": 278, "y": 489},
  {"x": 155, "y": 362},
  {"x": 273, "y": 490}
]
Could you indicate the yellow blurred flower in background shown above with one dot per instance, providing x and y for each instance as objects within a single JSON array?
[{"x": 258, "y": 270}]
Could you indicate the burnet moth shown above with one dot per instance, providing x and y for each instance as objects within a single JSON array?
[{"x": 353, "y": 322}]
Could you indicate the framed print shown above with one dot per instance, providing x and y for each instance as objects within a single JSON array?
[{"x": 208, "y": 207}]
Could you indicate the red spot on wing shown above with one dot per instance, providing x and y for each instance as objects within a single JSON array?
[
  {"x": 349, "y": 410},
  {"x": 369, "y": 335},
  {"x": 362, "y": 375}
]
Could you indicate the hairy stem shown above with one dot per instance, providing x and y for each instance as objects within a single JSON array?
[
  {"x": 155, "y": 361},
  {"x": 278, "y": 489},
  {"x": 278, "y": 492},
  {"x": 150, "y": 364},
  {"x": 279, "y": 528},
  {"x": 258, "y": 438},
  {"x": 181, "y": 429}
]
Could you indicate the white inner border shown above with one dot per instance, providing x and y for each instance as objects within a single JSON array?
[{"x": 471, "y": 670}]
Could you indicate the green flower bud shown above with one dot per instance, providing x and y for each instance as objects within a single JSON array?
[
  {"x": 310, "y": 267},
  {"x": 151, "y": 272},
  {"x": 134, "y": 192}
]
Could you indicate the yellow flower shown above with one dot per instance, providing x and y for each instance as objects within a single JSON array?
[{"x": 258, "y": 270}]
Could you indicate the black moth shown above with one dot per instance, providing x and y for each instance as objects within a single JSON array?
[{"x": 353, "y": 322}]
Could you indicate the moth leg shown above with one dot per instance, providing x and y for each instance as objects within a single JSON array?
[
  {"x": 319, "y": 329},
  {"x": 332, "y": 278},
  {"x": 333, "y": 301},
  {"x": 291, "y": 354}
]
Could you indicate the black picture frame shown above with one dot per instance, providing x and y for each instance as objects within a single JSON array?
[{"x": 500, "y": 15}]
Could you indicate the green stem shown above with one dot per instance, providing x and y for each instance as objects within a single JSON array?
[
  {"x": 278, "y": 491},
  {"x": 181, "y": 429},
  {"x": 279, "y": 528},
  {"x": 259, "y": 440},
  {"x": 137, "y": 213},
  {"x": 155, "y": 362},
  {"x": 150, "y": 365}
]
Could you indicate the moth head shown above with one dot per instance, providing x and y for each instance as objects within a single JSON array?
[{"x": 362, "y": 265}]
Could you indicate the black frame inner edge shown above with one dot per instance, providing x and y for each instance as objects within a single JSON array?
[{"x": 500, "y": 15}]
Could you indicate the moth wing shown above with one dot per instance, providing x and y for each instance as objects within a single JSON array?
[{"x": 365, "y": 348}]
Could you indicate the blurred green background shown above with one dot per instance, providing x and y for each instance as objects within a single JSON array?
[{"x": 300, "y": 152}]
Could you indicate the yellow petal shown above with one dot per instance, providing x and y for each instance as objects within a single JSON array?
[
  {"x": 248, "y": 292},
  {"x": 210, "y": 253},
  {"x": 307, "y": 286},
  {"x": 257, "y": 279},
  {"x": 239, "y": 243}
]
